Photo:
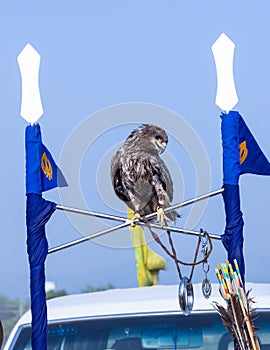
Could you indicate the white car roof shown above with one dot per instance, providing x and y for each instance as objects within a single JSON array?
[
  {"x": 134, "y": 301},
  {"x": 155, "y": 299}
]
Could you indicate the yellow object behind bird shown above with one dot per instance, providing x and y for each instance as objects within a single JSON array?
[{"x": 148, "y": 263}]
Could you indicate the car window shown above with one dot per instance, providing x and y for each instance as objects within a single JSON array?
[
  {"x": 262, "y": 322},
  {"x": 170, "y": 332}
]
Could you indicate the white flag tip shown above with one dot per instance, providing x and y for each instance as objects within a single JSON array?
[
  {"x": 223, "y": 51},
  {"x": 28, "y": 52},
  {"x": 29, "y": 61},
  {"x": 223, "y": 42}
]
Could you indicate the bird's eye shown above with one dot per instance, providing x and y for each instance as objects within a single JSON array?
[{"x": 157, "y": 136}]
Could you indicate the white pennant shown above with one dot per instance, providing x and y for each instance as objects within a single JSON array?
[
  {"x": 29, "y": 62},
  {"x": 223, "y": 51}
]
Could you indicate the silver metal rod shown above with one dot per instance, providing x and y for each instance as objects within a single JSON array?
[
  {"x": 149, "y": 216},
  {"x": 126, "y": 222},
  {"x": 91, "y": 213},
  {"x": 111, "y": 229},
  {"x": 88, "y": 238},
  {"x": 179, "y": 230},
  {"x": 188, "y": 202}
]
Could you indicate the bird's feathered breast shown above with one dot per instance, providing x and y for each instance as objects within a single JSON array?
[{"x": 136, "y": 167}]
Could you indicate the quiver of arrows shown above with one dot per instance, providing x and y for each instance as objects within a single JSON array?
[{"x": 238, "y": 316}]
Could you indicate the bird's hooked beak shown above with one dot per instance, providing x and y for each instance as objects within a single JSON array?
[{"x": 161, "y": 146}]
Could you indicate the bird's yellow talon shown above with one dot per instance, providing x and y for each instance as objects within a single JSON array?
[
  {"x": 135, "y": 217},
  {"x": 161, "y": 217}
]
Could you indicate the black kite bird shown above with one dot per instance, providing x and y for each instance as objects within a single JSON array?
[{"x": 140, "y": 177}]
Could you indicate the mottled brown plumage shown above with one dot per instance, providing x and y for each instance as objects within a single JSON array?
[{"x": 140, "y": 177}]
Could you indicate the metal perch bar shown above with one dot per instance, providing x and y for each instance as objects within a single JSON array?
[
  {"x": 88, "y": 238},
  {"x": 180, "y": 230},
  {"x": 188, "y": 202},
  {"x": 91, "y": 213},
  {"x": 126, "y": 222},
  {"x": 149, "y": 216}
]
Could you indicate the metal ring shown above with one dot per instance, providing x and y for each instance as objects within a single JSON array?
[
  {"x": 186, "y": 296},
  {"x": 205, "y": 266}
]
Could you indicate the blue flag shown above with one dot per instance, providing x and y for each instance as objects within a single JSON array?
[
  {"x": 252, "y": 160},
  {"x": 38, "y": 212},
  {"x": 42, "y": 174},
  {"x": 233, "y": 238},
  {"x": 241, "y": 154}
]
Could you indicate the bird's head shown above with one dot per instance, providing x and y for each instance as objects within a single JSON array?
[{"x": 156, "y": 135}]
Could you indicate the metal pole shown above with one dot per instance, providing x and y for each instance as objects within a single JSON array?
[
  {"x": 149, "y": 216},
  {"x": 180, "y": 230},
  {"x": 126, "y": 222},
  {"x": 188, "y": 202},
  {"x": 88, "y": 238},
  {"x": 91, "y": 213}
]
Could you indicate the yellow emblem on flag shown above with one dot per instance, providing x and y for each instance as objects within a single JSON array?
[
  {"x": 243, "y": 151},
  {"x": 46, "y": 167}
]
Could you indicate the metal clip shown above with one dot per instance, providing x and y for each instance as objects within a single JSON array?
[
  {"x": 206, "y": 284},
  {"x": 206, "y": 288}
]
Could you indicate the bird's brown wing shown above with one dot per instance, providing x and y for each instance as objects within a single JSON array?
[
  {"x": 163, "y": 186},
  {"x": 117, "y": 179},
  {"x": 162, "y": 174},
  {"x": 136, "y": 181},
  {"x": 132, "y": 180}
]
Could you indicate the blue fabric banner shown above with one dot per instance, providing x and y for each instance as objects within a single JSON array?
[
  {"x": 230, "y": 145},
  {"x": 38, "y": 212},
  {"x": 232, "y": 238},
  {"x": 241, "y": 154},
  {"x": 252, "y": 159},
  {"x": 42, "y": 174}
]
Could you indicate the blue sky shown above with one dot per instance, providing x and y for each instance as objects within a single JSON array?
[{"x": 97, "y": 54}]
